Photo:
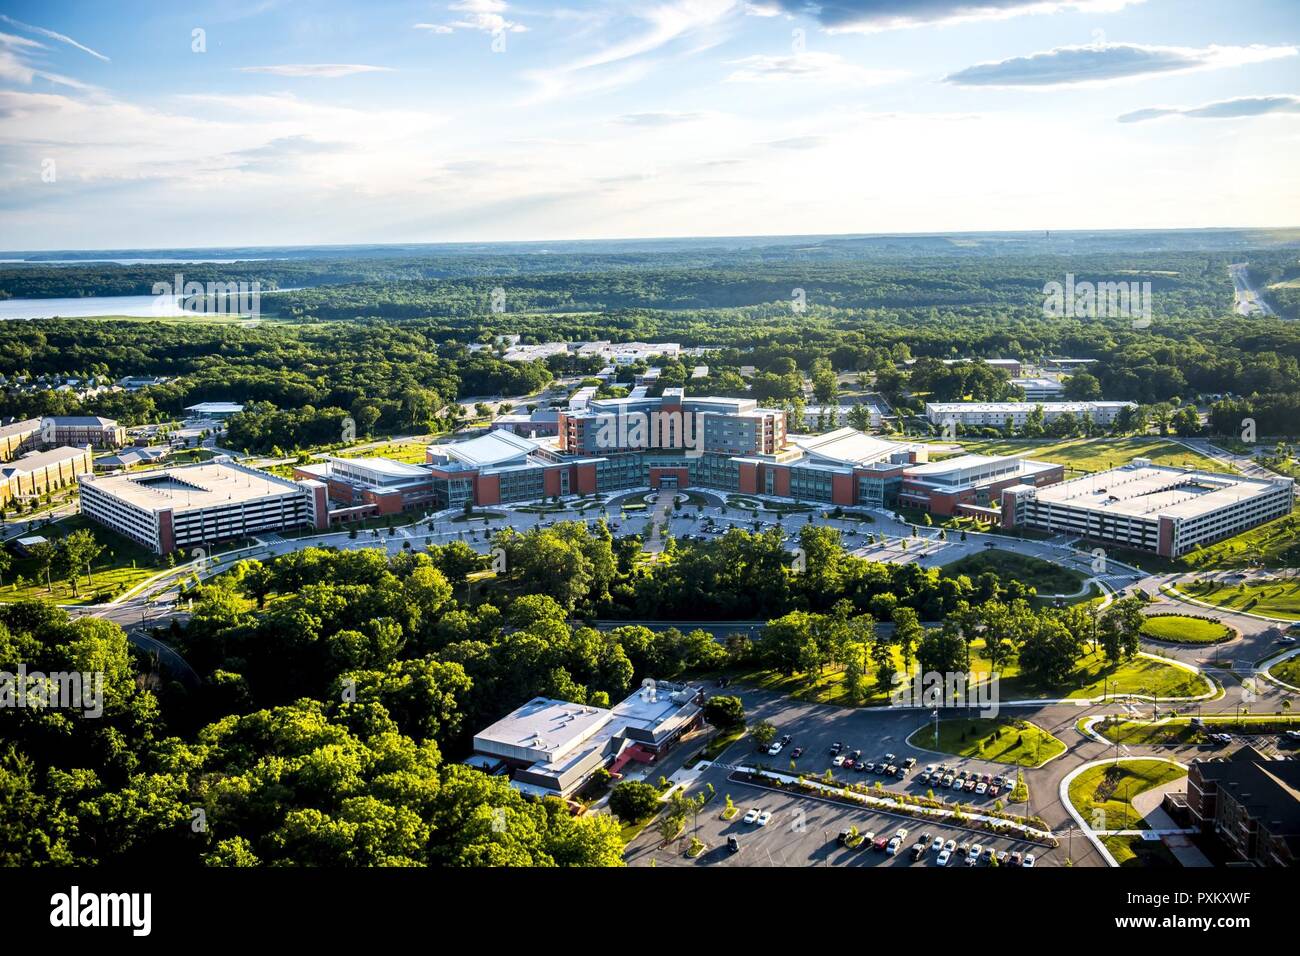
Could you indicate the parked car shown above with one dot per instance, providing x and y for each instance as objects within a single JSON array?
[
  {"x": 785, "y": 741},
  {"x": 1015, "y": 859},
  {"x": 836, "y": 748},
  {"x": 881, "y": 843},
  {"x": 845, "y": 835},
  {"x": 860, "y": 767},
  {"x": 856, "y": 755},
  {"x": 848, "y": 763},
  {"x": 869, "y": 767},
  {"x": 890, "y": 758},
  {"x": 891, "y": 848},
  {"x": 751, "y": 816},
  {"x": 925, "y": 837},
  {"x": 973, "y": 855},
  {"x": 918, "y": 851},
  {"x": 937, "y": 844},
  {"x": 796, "y": 753},
  {"x": 981, "y": 788},
  {"x": 765, "y": 818},
  {"x": 950, "y": 845},
  {"x": 944, "y": 856},
  {"x": 775, "y": 749},
  {"x": 909, "y": 763},
  {"x": 1029, "y": 860},
  {"x": 733, "y": 844},
  {"x": 838, "y": 761},
  {"x": 994, "y": 790}
]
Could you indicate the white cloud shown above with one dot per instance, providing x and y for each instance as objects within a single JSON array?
[
  {"x": 1242, "y": 106},
  {"x": 53, "y": 36},
  {"x": 808, "y": 66},
  {"x": 1101, "y": 63},
  {"x": 870, "y": 16},
  {"x": 317, "y": 70},
  {"x": 486, "y": 15}
]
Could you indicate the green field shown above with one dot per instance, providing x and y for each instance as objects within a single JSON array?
[
  {"x": 122, "y": 565},
  {"x": 1180, "y": 629},
  {"x": 1084, "y": 455},
  {"x": 1272, "y": 545},
  {"x": 1134, "y": 851},
  {"x": 1001, "y": 739},
  {"x": 1111, "y": 788},
  {"x": 1094, "y": 677},
  {"x": 1279, "y": 598},
  {"x": 1044, "y": 576}
]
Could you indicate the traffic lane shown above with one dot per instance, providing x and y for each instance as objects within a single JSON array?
[{"x": 804, "y": 831}]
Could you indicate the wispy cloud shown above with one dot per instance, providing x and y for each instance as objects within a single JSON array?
[
  {"x": 489, "y": 16},
  {"x": 1110, "y": 62},
  {"x": 1237, "y": 108},
  {"x": 662, "y": 118},
  {"x": 17, "y": 67},
  {"x": 869, "y": 16},
  {"x": 54, "y": 36},
  {"x": 315, "y": 70},
  {"x": 808, "y": 66}
]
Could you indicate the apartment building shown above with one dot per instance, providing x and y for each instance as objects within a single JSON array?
[
  {"x": 82, "y": 430},
  {"x": 1250, "y": 803},
  {"x": 1015, "y": 414},
  {"x": 1168, "y": 511},
  {"x": 39, "y": 473}
]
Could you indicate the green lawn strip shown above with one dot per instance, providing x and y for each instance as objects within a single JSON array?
[
  {"x": 1274, "y": 545},
  {"x": 1182, "y": 629},
  {"x": 1135, "y": 851},
  {"x": 1111, "y": 787},
  {"x": 1044, "y": 576},
  {"x": 1181, "y": 730},
  {"x": 1288, "y": 671},
  {"x": 1278, "y": 598},
  {"x": 720, "y": 742},
  {"x": 1000, "y": 739}
]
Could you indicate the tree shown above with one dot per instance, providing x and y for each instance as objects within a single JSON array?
[
  {"x": 633, "y": 800},
  {"x": 763, "y": 732},
  {"x": 724, "y": 712}
]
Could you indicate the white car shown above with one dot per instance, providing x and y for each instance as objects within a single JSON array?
[
  {"x": 981, "y": 788},
  {"x": 765, "y": 818},
  {"x": 943, "y": 857},
  {"x": 892, "y": 847},
  {"x": 901, "y": 834},
  {"x": 838, "y": 761},
  {"x": 950, "y": 846},
  {"x": 751, "y": 816},
  {"x": 958, "y": 783},
  {"x": 930, "y": 769},
  {"x": 1029, "y": 860},
  {"x": 973, "y": 856},
  {"x": 937, "y": 844},
  {"x": 774, "y": 749}
]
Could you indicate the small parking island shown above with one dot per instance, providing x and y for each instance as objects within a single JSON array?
[
  {"x": 1181, "y": 629},
  {"x": 1001, "y": 739}
]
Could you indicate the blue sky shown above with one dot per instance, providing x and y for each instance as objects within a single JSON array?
[{"x": 253, "y": 123}]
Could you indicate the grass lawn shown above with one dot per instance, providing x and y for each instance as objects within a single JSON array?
[
  {"x": 720, "y": 742},
  {"x": 1272, "y": 545},
  {"x": 1271, "y": 598},
  {"x": 1288, "y": 671},
  {"x": 1044, "y": 576},
  {"x": 122, "y": 565},
  {"x": 1181, "y": 629},
  {"x": 1134, "y": 851},
  {"x": 1084, "y": 455},
  {"x": 410, "y": 452},
  {"x": 1181, "y": 730},
  {"x": 1002, "y": 739},
  {"x": 1093, "y": 676},
  {"x": 1111, "y": 788}
]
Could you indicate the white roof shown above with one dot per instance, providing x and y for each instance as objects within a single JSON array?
[
  {"x": 192, "y": 487},
  {"x": 215, "y": 407},
  {"x": 496, "y": 447},
  {"x": 1152, "y": 490},
  {"x": 383, "y": 466},
  {"x": 848, "y": 446}
]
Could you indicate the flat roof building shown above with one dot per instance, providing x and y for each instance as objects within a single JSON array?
[
  {"x": 552, "y": 747},
  {"x": 1039, "y": 389},
  {"x": 41, "y": 472},
  {"x": 972, "y": 484},
  {"x": 1251, "y": 803},
  {"x": 366, "y": 487},
  {"x": 202, "y": 504},
  {"x": 214, "y": 411},
  {"x": 1147, "y": 507}
]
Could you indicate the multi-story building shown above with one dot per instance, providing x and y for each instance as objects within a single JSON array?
[
  {"x": 550, "y": 748},
  {"x": 42, "y": 472},
  {"x": 17, "y": 437},
  {"x": 82, "y": 430},
  {"x": 1250, "y": 803},
  {"x": 972, "y": 484},
  {"x": 213, "y": 411},
  {"x": 1015, "y": 414},
  {"x": 365, "y": 487},
  {"x": 1039, "y": 389},
  {"x": 196, "y": 506},
  {"x": 728, "y": 444},
  {"x": 1149, "y": 507}
]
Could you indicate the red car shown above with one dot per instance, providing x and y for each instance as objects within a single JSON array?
[{"x": 881, "y": 843}]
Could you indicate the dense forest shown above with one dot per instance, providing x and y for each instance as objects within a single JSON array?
[{"x": 339, "y": 689}]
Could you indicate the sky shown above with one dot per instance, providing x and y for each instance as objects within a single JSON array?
[{"x": 261, "y": 122}]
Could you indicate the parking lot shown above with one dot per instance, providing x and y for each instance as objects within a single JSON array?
[{"x": 805, "y": 831}]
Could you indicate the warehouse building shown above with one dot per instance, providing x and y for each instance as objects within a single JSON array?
[
  {"x": 550, "y": 748},
  {"x": 200, "y": 505},
  {"x": 1146, "y": 507},
  {"x": 1015, "y": 414}
]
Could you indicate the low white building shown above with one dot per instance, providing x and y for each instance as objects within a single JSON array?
[
  {"x": 1039, "y": 389},
  {"x": 1015, "y": 414}
]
